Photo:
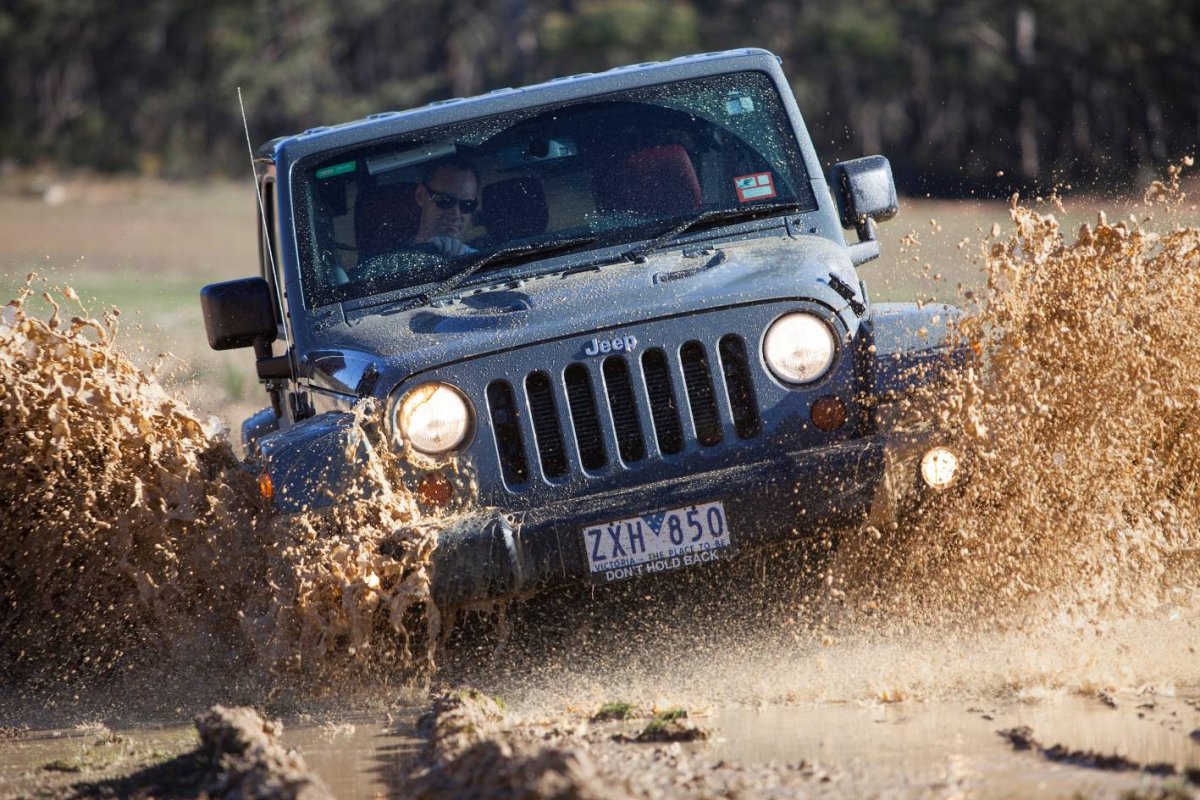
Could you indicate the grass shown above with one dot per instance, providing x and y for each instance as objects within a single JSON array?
[
  {"x": 656, "y": 727},
  {"x": 147, "y": 249},
  {"x": 663, "y": 722},
  {"x": 234, "y": 381},
  {"x": 471, "y": 693},
  {"x": 669, "y": 725},
  {"x": 672, "y": 714},
  {"x": 617, "y": 709}
]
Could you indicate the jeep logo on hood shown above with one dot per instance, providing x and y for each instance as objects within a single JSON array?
[{"x": 617, "y": 344}]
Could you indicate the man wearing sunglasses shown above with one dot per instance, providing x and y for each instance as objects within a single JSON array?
[{"x": 448, "y": 195}]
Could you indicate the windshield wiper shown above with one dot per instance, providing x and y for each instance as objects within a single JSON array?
[
  {"x": 713, "y": 215},
  {"x": 504, "y": 255}
]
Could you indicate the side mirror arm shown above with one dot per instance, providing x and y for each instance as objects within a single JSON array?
[
  {"x": 867, "y": 247},
  {"x": 272, "y": 371}
]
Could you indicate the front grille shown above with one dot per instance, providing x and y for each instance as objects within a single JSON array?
[
  {"x": 585, "y": 417},
  {"x": 663, "y": 409},
  {"x": 746, "y": 421},
  {"x": 703, "y": 402},
  {"x": 545, "y": 424},
  {"x": 623, "y": 411},
  {"x": 503, "y": 410}
]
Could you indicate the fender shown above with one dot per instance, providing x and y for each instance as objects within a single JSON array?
[
  {"x": 319, "y": 462},
  {"x": 914, "y": 345},
  {"x": 255, "y": 427}
]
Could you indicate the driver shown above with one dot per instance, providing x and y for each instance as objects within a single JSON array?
[{"x": 448, "y": 195}]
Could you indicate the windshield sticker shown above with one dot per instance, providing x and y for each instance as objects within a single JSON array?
[
  {"x": 336, "y": 169},
  {"x": 739, "y": 104},
  {"x": 758, "y": 186}
]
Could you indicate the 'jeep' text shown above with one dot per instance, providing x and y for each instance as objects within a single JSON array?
[{"x": 617, "y": 344}]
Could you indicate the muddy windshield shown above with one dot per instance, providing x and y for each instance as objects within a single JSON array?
[{"x": 412, "y": 211}]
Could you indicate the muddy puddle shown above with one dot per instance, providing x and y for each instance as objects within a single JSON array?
[
  {"x": 1033, "y": 633},
  {"x": 924, "y": 744},
  {"x": 907, "y": 749}
]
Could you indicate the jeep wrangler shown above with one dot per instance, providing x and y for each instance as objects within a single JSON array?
[{"x": 645, "y": 349}]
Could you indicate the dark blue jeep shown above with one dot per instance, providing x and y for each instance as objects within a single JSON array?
[{"x": 611, "y": 319}]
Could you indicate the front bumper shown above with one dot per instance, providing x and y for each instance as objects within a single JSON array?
[{"x": 493, "y": 555}]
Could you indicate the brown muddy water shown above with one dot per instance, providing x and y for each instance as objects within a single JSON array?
[
  {"x": 910, "y": 749},
  {"x": 1033, "y": 633}
]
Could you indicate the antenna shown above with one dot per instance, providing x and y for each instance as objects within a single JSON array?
[{"x": 262, "y": 214}]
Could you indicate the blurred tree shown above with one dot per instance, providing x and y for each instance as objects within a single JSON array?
[
  {"x": 952, "y": 90},
  {"x": 597, "y": 34}
]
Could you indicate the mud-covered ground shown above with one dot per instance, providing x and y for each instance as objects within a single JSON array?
[
  {"x": 1034, "y": 632},
  {"x": 1047, "y": 743}
]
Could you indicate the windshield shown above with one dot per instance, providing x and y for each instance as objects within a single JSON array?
[{"x": 414, "y": 211}]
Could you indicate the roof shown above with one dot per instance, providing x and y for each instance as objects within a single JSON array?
[{"x": 456, "y": 109}]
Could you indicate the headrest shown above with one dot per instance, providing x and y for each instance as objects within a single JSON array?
[
  {"x": 655, "y": 181},
  {"x": 384, "y": 218},
  {"x": 514, "y": 209}
]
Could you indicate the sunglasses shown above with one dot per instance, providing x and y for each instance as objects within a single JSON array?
[{"x": 448, "y": 201}]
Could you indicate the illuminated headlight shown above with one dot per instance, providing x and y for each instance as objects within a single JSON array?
[
  {"x": 433, "y": 417},
  {"x": 939, "y": 466},
  {"x": 799, "y": 348}
]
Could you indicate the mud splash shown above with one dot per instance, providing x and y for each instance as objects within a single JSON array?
[
  {"x": 1079, "y": 430},
  {"x": 132, "y": 536},
  {"x": 1066, "y": 562}
]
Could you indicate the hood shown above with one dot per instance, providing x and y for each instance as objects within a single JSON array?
[{"x": 385, "y": 348}]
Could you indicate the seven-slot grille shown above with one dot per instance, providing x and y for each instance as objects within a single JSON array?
[{"x": 602, "y": 412}]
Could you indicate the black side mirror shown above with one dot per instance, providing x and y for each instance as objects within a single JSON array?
[
  {"x": 866, "y": 194},
  {"x": 238, "y": 313}
]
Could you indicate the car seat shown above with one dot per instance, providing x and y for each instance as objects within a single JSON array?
[
  {"x": 514, "y": 209},
  {"x": 655, "y": 181},
  {"x": 385, "y": 217}
]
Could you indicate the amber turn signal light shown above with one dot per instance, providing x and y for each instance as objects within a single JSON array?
[
  {"x": 266, "y": 487},
  {"x": 829, "y": 413}
]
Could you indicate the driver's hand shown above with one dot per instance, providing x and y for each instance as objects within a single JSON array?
[{"x": 450, "y": 246}]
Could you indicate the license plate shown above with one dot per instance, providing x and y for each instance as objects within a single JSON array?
[{"x": 663, "y": 540}]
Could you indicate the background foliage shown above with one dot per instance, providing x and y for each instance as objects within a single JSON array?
[{"x": 953, "y": 91}]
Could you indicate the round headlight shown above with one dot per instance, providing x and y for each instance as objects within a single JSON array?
[
  {"x": 799, "y": 348},
  {"x": 433, "y": 417}
]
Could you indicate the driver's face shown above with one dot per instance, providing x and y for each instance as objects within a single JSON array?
[{"x": 448, "y": 187}]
